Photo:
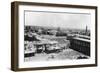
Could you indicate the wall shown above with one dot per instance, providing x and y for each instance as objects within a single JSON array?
[{"x": 5, "y": 31}]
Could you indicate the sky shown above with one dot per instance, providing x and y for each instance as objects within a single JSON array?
[{"x": 62, "y": 20}]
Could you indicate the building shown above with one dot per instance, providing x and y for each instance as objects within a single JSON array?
[{"x": 81, "y": 44}]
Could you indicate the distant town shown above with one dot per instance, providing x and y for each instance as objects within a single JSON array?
[{"x": 55, "y": 43}]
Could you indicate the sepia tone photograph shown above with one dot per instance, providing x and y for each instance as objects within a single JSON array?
[{"x": 52, "y": 36}]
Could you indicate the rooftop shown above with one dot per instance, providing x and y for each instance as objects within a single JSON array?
[{"x": 82, "y": 39}]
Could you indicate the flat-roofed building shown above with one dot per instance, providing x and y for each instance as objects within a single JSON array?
[{"x": 81, "y": 44}]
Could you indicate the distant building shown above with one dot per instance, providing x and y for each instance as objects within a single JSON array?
[
  {"x": 85, "y": 32},
  {"x": 86, "y": 29}
]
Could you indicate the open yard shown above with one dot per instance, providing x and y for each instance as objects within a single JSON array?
[{"x": 65, "y": 54}]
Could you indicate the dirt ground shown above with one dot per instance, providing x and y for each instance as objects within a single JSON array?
[{"x": 69, "y": 54}]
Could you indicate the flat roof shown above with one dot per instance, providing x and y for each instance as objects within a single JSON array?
[
  {"x": 84, "y": 36},
  {"x": 81, "y": 39}
]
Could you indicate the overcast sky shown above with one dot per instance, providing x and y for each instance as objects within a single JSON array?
[{"x": 64, "y": 20}]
